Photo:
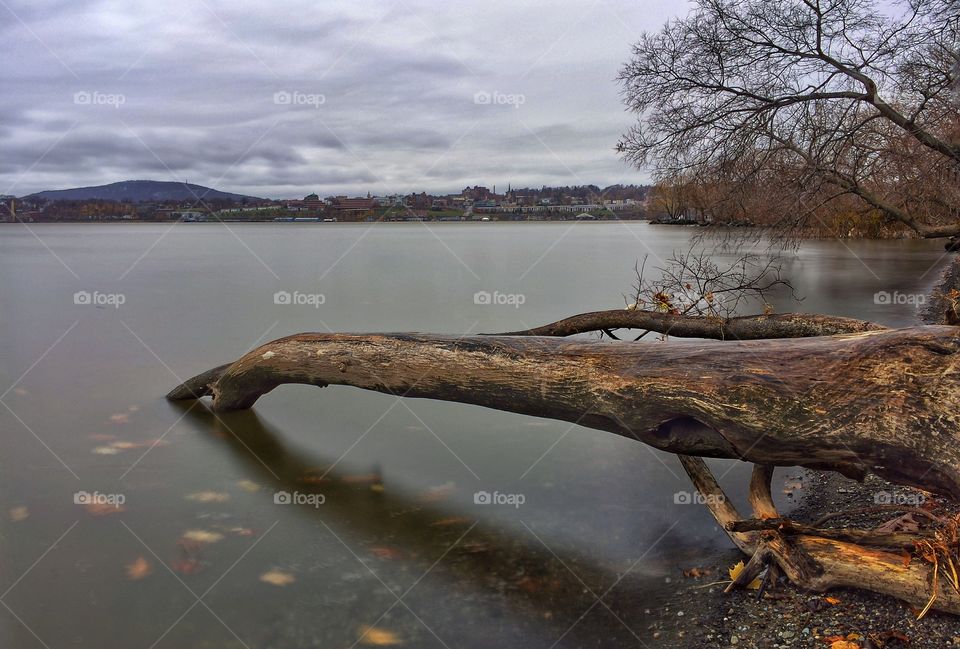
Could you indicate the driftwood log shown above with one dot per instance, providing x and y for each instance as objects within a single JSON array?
[{"x": 882, "y": 401}]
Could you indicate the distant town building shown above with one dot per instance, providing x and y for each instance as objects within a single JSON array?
[
  {"x": 476, "y": 193},
  {"x": 346, "y": 208},
  {"x": 312, "y": 202}
]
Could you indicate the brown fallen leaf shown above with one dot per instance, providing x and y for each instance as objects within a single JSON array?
[
  {"x": 103, "y": 509},
  {"x": 833, "y": 601},
  {"x": 248, "y": 485},
  {"x": 120, "y": 418},
  {"x": 844, "y": 644},
  {"x": 477, "y": 547},
  {"x": 277, "y": 578},
  {"x": 127, "y": 445},
  {"x": 120, "y": 445},
  {"x": 18, "y": 514},
  {"x": 189, "y": 566},
  {"x": 906, "y": 523},
  {"x": 697, "y": 573},
  {"x": 378, "y": 637},
  {"x": 138, "y": 569},
  {"x": 202, "y": 536},
  {"x": 452, "y": 520},
  {"x": 209, "y": 497},
  {"x": 384, "y": 552},
  {"x": 438, "y": 493}
]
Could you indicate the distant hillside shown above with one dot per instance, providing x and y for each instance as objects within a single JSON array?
[{"x": 139, "y": 191}]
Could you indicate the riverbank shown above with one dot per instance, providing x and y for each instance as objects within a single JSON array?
[{"x": 699, "y": 614}]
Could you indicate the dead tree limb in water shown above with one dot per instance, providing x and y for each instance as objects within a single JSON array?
[
  {"x": 881, "y": 401},
  {"x": 885, "y": 402},
  {"x": 750, "y": 327}
]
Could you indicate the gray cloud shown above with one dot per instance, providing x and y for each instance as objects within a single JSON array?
[{"x": 417, "y": 96}]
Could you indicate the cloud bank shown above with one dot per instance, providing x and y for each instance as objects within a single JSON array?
[{"x": 282, "y": 99}]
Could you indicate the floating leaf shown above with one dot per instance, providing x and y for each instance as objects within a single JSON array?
[
  {"x": 103, "y": 509},
  {"x": 277, "y": 578},
  {"x": 383, "y": 552},
  {"x": 376, "y": 636},
  {"x": 138, "y": 569},
  {"x": 202, "y": 536},
  {"x": 475, "y": 548},
  {"x": 735, "y": 572},
  {"x": 697, "y": 573},
  {"x": 248, "y": 485},
  {"x": 187, "y": 566},
  {"x": 18, "y": 514},
  {"x": 453, "y": 520},
  {"x": 209, "y": 497},
  {"x": 126, "y": 445},
  {"x": 119, "y": 445},
  {"x": 120, "y": 418},
  {"x": 438, "y": 493},
  {"x": 19, "y": 392}
]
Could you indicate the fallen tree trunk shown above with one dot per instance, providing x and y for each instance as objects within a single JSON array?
[{"x": 884, "y": 402}]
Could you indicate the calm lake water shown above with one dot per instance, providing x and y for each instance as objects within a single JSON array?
[{"x": 199, "y": 554}]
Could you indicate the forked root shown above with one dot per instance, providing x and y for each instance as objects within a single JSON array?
[{"x": 820, "y": 559}]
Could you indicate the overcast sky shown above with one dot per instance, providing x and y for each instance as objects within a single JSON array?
[{"x": 284, "y": 98}]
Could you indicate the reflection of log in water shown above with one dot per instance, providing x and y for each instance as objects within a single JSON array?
[{"x": 509, "y": 568}]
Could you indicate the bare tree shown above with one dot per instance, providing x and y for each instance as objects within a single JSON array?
[{"x": 824, "y": 99}]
